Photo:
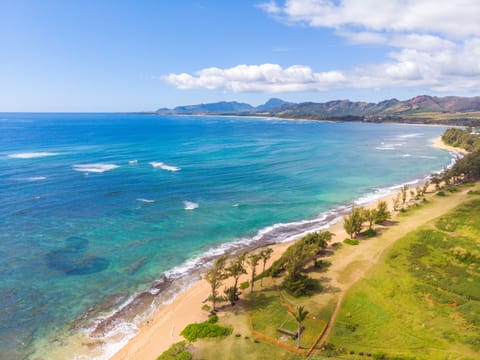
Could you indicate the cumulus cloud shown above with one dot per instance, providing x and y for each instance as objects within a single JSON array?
[
  {"x": 451, "y": 18},
  {"x": 258, "y": 78},
  {"x": 433, "y": 44}
]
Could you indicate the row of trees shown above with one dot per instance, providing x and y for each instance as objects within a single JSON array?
[
  {"x": 465, "y": 139},
  {"x": 221, "y": 270},
  {"x": 353, "y": 223}
]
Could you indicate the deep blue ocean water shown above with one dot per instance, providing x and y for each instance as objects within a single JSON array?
[{"x": 96, "y": 207}]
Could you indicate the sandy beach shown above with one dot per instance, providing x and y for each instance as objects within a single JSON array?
[{"x": 162, "y": 329}]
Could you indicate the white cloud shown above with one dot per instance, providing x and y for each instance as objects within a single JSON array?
[
  {"x": 433, "y": 44},
  {"x": 258, "y": 78},
  {"x": 455, "y": 19}
]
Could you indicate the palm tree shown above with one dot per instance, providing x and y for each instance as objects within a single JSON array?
[
  {"x": 300, "y": 315},
  {"x": 253, "y": 260},
  {"x": 265, "y": 254}
]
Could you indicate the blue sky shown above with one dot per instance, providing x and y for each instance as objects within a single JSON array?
[{"x": 141, "y": 55}]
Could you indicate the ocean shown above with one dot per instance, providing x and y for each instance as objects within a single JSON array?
[{"x": 104, "y": 216}]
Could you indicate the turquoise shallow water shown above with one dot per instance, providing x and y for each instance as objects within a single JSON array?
[{"x": 96, "y": 207}]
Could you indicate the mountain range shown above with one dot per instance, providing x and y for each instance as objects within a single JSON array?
[{"x": 420, "y": 109}]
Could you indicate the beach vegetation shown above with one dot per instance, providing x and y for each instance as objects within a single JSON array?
[
  {"x": 351, "y": 241},
  {"x": 265, "y": 254},
  {"x": 215, "y": 276},
  {"x": 294, "y": 260},
  {"x": 396, "y": 202},
  {"x": 235, "y": 270},
  {"x": 370, "y": 215},
  {"x": 232, "y": 294},
  {"x": 203, "y": 330},
  {"x": 244, "y": 285},
  {"x": 299, "y": 315},
  {"x": 253, "y": 260},
  {"x": 369, "y": 233},
  {"x": 403, "y": 192},
  {"x": 177, "y": 351},
  {"x": 206, "y": 307},
  {"x": 382, "y": 214},
  {"x": 213, "y": 319},
  {"x": 353, "y": 222},
  {"x": 425, "y": 186}
]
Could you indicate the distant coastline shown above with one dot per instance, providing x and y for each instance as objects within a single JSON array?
[{"x": 423, "y": 109}]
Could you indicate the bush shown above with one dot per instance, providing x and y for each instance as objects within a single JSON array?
[
  {"x": 473, "y": 192},
  {"x": 301, "y": 285},
  {"x": 337, "y": 245},
  {"x": 244, "y": 285},
  {"x": 212, "y": 319},
  {"x": 369, "y": 233},
  {"x": 322, "y": 265},
  {"x": 177, "y": 351},
  {"x": 206, "y": 307},
  {"x": 204, "y": 330},
  {"x": 441, "y": 193},
  {"x": 351, "y": 242}
]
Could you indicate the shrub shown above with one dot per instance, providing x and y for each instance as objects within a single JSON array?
[
  {"x": 369, "y": 233},
  {"x": 351, "y": 242},
  {"x": 337, "y": 245},
  {"x": 322, "y": 265},
  {"x": 244, "y": 285},
  {"x": 301, "y": 285},
  {"x": 204, "y": 330},
  {"x": 212, "y": 319},
  {"x": 473, "y": 192},
  {"x": 206, "y": 307},
  {"x": 177, "y": 351},
  {"x": 441, "y": 193}
]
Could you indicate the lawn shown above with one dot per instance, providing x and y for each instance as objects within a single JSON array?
[{"x": 423, "y": 300}]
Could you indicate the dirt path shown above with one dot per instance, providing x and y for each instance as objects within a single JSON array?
[{"x": 352, "y": 263}]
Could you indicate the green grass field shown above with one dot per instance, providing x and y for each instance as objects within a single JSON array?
[{"x": 423, "y": 300}]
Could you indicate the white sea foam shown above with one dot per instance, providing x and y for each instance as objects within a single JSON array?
[
  {"x": 133, "y": 162},
  {"x": 31, "y": 155},
  {"x": 408, "y": 136},
  {"x": 122, "y": 332},
  {"x": 406, "y": 155},
  {"x": 95, "y": 168},
  {"x": 146, "y": 200},
  {"x": 164, "y": 166},
  {"x": 384, "y": 148},
  {"x": 235, "y": 205},
  {"x": 188, "y": 205}
]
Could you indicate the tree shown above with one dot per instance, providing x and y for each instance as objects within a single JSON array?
[
  {"x": 300, "y": 315},
  {"x": 419, "y": 191},
  {"x": 352, "y": 223},
  {"x": 265, "y": 254},
  {"x": 426, "y": 184},
  {"x": 382, "y": 212},
  {"x": 436, "y": 180},
  {"x": 253, "y": 260},
  {"x": 232, "y": 294},
  {"x": 403, "y": 192},
  {"x": 370, "y": 215},
  {"x": 237, "y": 269},
  {"x": 215, "y": 275},
  {"x": 396, "y": 202}
]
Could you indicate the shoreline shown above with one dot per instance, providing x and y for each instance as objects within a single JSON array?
[{"x": 166, "y": 319}]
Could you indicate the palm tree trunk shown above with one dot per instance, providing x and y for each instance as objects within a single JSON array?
[{"x": 298, "y": 337}]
